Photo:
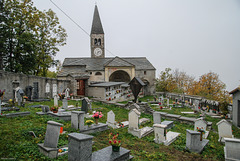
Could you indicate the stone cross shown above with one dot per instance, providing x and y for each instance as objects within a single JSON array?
[
  {"x": 224, "y": 130},
  {"x": 111, "y": 117},
  {"x": 52, "y": 134},
  {"x": 160, "y": 133},
  {"x": 79, "y": 147},
  {"x": 133, "y": 118},
  {"x": 55, "y": 100},
  {"x": 77, "y": 120},
  {"x": 157, "y": 118},
  {"x": 54, "y": 89}
]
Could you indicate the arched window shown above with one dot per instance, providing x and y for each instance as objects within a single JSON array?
[
  {"x": 99, "y": 42},
  {"x": 95, "y": 42},
  {"x": 98, "y": 73}
]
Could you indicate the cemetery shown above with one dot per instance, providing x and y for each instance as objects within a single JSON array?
[{"x": 143, "y": 136}]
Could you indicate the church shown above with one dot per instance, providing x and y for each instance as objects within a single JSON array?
[{"x": 98, "y": 75}]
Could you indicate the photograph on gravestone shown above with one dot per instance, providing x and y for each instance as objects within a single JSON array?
[{"x": 136, "y": 85}]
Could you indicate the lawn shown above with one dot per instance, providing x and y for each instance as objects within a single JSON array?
[{"x": 17, "y": 143}]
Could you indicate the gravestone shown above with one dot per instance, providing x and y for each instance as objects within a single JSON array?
[
  {"x": 162, "y": 136},
  {"x": 45, "y": 109},
  {"x": 49, "y": 147},
  {"x": 193, "y": 142},
  {"x": 29, "y": 92},
  {"x": 55, "y": 100},
  {"x": 79, "y": 147},
  {"x": 35, "y": 90},
  {"x": 67, "y": 93},
  {"x": 86, "y": 105},
  {"x": 111, "y": 119},
  {"x": 224, "y": 130},
  {"x": 47, "y": 88},
  {"x": 133, "y": 129},
  {"x": 133, "y": 118},
  {"x": 19, "y": 94},
  {"x": 77, "y": 120},
  {"x": 157, "y": 118},
  {"x": 54, "y": 89},
  {"x": 65, "y": 103},
  {"x": 136, "y": 85},
  {"x": 201, "y": 124},
  {"x": 232, "y": 149}
]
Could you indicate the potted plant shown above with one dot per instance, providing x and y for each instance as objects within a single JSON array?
[
  {"x": 89, "y": 122},
  {"x": 113, "y": 140},
  {"x": 96, "y": 116},
  {"x": 54, "y": 109}
]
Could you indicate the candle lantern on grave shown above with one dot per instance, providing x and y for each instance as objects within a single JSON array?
[{"x": 136, "y": 85}]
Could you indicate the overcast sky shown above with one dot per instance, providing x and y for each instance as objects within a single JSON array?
[{"x": 195, "y": 36}]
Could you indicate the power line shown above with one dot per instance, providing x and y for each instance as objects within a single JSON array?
[{"x": 77, "y": 24}]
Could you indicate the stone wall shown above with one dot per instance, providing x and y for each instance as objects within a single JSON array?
[
  {"x": 9, "y": 81},
  {"x": 236, "y": 109}
]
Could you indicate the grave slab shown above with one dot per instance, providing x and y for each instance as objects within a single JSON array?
[
  {"x": 172, "y": 117},
  {"x": 66, "y": 116},
  {"x": 224, "y": 130},
  {"x": 106, "y": 154},
  {"x": 169, "y": 124},
  {"x": 94, "y": 128},
  {"x": 16, "y": 114}
]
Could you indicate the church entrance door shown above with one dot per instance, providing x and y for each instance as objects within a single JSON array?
[{"x": 80, "y": 87}]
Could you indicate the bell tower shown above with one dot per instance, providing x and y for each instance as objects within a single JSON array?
[{"x": 97, "y": 37}]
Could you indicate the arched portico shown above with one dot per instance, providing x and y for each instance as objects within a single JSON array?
[{"x": 119, "y": 76}]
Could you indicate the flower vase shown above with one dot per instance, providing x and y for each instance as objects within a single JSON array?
[
  {"x": 115, "y": 148},
  {"x": 96, "y": 121},
  {"x": 55, "y": 111}
]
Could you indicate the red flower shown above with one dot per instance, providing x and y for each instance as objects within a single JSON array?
[
  {"x": 115, "y": 141},
  {"x": 198, "y": 107},
  {"x": 119, "y": 141},
  {"x": 110, "y": 142}
]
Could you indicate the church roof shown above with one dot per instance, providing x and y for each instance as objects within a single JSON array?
[
  {"x": 118, "y": 62},
  {"x": 97, "y": 64},
  {"x": 96, "y": 23}
]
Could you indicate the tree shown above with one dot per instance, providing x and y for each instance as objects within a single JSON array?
[
  {"x": 29, "y": 37},
  {"x": 165, "y": 81},
  {"x": 210, "y": 86}
]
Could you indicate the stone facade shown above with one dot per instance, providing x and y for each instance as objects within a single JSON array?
[
  {"x": 9, "y": 81},
  {"x": 98, "y": 68},
  {"x": 236, "y": 107}
]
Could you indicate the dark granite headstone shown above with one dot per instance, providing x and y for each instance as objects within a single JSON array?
[
  {"x": 35, "y": 90},
  {"x": 29, "y": 92},
  {"x": 85, "y": 104}
]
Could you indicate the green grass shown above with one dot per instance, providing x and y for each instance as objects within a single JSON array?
[{"x": 16, "y": 143}]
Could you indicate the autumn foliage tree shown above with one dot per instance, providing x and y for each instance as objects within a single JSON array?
[{"x": 209, "y": 85}]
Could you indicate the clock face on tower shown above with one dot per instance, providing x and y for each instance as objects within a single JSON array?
[{"x": 97, "y": 52}]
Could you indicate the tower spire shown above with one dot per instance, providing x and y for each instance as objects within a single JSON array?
[{"x": 96, "y": 23}]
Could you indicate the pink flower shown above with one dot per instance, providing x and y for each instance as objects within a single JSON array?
[{"x": 115, "y": 141}]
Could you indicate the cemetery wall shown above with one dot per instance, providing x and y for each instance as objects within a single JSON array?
[
  {"x": 236, "y": 109},
  {"x": 7, "y": 79},
  {"x": 96, "y": 92}
]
